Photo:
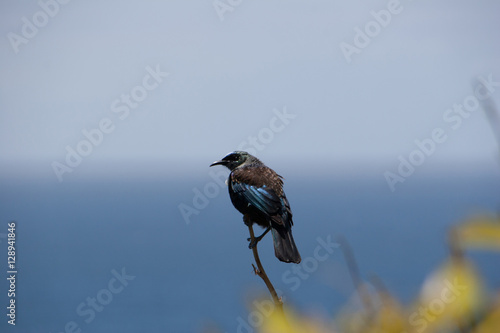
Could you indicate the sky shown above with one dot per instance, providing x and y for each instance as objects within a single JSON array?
[{"x": 182, "y": 82}]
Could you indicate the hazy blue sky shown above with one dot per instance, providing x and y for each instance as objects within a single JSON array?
[{"x": 227, "y": 72}]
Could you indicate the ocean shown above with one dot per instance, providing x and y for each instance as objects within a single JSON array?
[{"x": 117, "y": 255}]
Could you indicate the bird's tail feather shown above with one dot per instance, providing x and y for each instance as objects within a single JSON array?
[{"x": 284, "y": 245}]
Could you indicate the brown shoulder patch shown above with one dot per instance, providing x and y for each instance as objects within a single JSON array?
[{"x": 259, "y": 176}]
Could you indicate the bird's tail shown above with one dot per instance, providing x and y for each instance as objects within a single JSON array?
[{"x": 284, "y": 245}]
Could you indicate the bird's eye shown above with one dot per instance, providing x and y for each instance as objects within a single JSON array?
[{"x": 232, "y": 157}]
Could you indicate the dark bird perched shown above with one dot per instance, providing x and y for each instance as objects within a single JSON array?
[{"x": 256, "y": 191}]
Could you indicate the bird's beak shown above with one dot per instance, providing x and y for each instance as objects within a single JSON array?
[{"x": 221, "y": 162}]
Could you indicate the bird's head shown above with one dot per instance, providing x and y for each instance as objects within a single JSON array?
[{"x": 235, "y": 159}]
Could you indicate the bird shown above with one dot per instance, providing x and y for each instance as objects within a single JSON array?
[{"x": 256, "y": 191}]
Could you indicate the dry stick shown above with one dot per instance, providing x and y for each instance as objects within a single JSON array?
[
  {"x": 492, "y": 114},
  {"x": 355, "y": 276},
  {"x": 465, "y": 323},
  {"x": 262, "y": 273}
]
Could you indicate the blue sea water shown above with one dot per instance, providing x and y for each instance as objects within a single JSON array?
[{"x": 74, "y": 238}]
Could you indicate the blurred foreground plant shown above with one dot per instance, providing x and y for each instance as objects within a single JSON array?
[{"x": 452, "y": 298}]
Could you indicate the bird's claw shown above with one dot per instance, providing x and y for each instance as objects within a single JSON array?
[
  {"x": 255, "y": 240},
  {"x": 252, "y": 243}
]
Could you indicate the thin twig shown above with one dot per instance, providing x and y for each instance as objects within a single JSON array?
[
  {"x": 262, "y": 273},
  {"x": 492, "y": 113},
  {"x": 352, "y": 266}
]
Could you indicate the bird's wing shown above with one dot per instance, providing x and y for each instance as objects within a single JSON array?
[
  {"x": 263, "y": 198},
  {"x": 261, "y": 187}
]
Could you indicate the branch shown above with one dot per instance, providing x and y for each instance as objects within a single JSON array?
[
  {"x": 352, "y": 266},
  {"x": 260, "y": 270}
]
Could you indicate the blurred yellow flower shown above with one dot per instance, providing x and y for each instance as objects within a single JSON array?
[
  {"x": 288, "y": 321},
  {"x": 491, "y": 323},
  {"x": 480, "y": 232},
  {"x": 450, "y": 298}
]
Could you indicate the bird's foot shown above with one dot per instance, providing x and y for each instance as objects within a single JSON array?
[{"x": 253, "y": 243}]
